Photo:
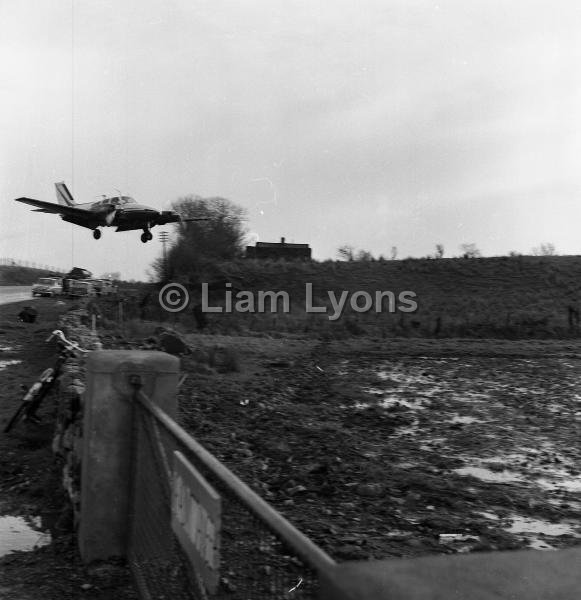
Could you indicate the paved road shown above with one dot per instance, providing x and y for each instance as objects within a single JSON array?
[{"x": 14, "y": 293}]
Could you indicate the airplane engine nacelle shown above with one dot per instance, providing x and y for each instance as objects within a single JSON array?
[{"x": 168, "y": 216}]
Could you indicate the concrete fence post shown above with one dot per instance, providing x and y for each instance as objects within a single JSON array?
[{"x": 107, "y": 442}]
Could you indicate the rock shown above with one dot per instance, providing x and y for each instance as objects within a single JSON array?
[
  {"x": 28, "y": 314},
  {"x": 172, "y": 343},
  {"x": 296, "y": 490}
]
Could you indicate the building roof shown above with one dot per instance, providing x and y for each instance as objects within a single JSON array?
[{"x": 279, "y": 245}]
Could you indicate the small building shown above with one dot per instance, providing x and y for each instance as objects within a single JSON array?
[{"x": 279, "y": 250}]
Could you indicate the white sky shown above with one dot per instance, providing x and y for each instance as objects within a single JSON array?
[{"x": 374, "y": 123}]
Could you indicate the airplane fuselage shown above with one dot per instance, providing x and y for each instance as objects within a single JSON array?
[{"x": 121, "y": 212}]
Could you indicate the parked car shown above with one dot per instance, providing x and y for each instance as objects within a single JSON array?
[
  {"x": 80, "y": 287},
  {"x": 48, "y": 286},
  {"x": 104, "y": 287}
]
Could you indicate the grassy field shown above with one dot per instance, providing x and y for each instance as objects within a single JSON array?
[{"x": 505, "y": 297}]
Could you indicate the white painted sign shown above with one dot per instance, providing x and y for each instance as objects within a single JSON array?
[{"x": 196, "y": 519}]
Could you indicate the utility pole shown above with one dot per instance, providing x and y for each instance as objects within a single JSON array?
[{"x": 163, "y": 236}]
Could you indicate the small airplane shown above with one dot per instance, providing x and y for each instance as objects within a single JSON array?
[{"x": 120, "y": 211}]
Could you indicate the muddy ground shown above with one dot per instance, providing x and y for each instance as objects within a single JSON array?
[
  {"x": 374, "y": 448},
  {"x": 30, "y": 491},
  {"x": 377, "y": 448}
]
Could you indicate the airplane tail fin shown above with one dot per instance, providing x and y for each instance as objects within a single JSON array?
[{"x": 63, "y": 195}]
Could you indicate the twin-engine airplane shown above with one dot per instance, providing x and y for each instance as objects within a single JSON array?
[{"x": 121, "y": 212}]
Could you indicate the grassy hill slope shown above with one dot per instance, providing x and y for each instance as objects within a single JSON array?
[
  {"x": 16, "y": 275},
  {"x": 521, "y": 296}
]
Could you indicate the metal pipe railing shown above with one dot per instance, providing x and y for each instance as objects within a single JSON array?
[{"x": 299, "y": 542}]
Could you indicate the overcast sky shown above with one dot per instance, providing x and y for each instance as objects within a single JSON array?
[{"x": 371, "y": 123}]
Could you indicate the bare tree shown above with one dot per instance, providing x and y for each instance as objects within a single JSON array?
[
  {"x": 346, "y": 252},
  {"x": 545, "y": 249},
  {"x": 470, "y": 251},
  {"x": 439, "y": 250},
  {"x": 364, "y": 256}
]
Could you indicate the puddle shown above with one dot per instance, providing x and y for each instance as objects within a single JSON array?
[
  {"x": 535, "y": 531},
  {"x": 567, "y": 505},
  {"x": 489, "y": 515},
  {"x": 412, "y": 429},
  {"x": 394, "y": 401},
  {"x": 373, "y": 390},
  {"x": 537, "y": 544},
  {"x": 390, "y": 402},
  {"x": 17, "y": 533},
  {"x": 465, "y": 420},
  {"x": 527, "y": 525},
  {"x": 7, "y": 363},
  {"x": 571, "y": 484},
  {"x": 488, "y": 475},
  {"x": 408, "y": 377}
]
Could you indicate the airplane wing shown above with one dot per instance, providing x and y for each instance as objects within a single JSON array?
[
  {"x": 169, "y": 216},
  {"x": 50, "y": 207},
  {"x": 72, "y": 214}
]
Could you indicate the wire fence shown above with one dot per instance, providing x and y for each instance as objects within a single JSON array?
[{"x": 238, "y": 547}]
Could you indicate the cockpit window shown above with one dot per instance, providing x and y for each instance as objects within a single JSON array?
[
  {"x": 115, "y": 201},
  {"x": 122, "y": 200}
]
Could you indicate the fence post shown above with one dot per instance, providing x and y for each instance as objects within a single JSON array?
[{"x": 107, "y": 442}]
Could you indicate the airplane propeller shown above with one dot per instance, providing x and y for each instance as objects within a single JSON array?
[
  {"x": 110, "y": 216},
  {"x": 187, "y": 219},
  {"x": 170, "y": 216}
]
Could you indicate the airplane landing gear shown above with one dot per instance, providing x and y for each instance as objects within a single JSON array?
[
  {"x": 96, "y": 234},
  {"x": 146, "y": 236}
]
